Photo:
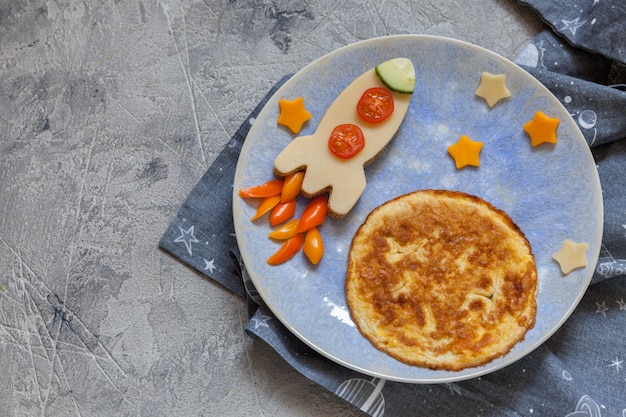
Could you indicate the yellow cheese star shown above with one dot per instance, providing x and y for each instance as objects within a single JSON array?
[
  {"x": 493, "y": 88},
  {"x": 293, "y": 114},
  {"x": 465, "y": 152},
  {"x": 571, "y": 256},
  {"x": 541, "y": 129}
]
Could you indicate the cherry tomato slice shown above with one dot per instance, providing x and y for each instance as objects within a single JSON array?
[
  {"x": 313, "y": 245},
  {"x": 346, "y": 141},
  {"x": 314, "y": 213},
  {"x": 375, "y": 105},
  {"x": 291, "y": 187},
  {"x": 285, "y": 231},
  {"x": 287, "y": 250},
  {"x": 267, "y": 204},
  {"x": 282, "y": 212},
  {"x": 268, "y": 189}
]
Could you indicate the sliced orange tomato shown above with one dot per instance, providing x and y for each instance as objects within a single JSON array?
[
  {"x": 285, "y": 231},
  {"x": 346, "y": 141},
  {"x": 268, "y": 189},
  {"x": 375, "y": 105},
  {"x": 314, "y": 213},
  {"x": 282, "y": 212},
  {"x": 267, "y": 204},
  {"x": 287, "y": 250},
  {"x": 291, "y": 187},
  {"x": 313, "y": 245}
]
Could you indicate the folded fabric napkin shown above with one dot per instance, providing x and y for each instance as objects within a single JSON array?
[{"x": 580, "y": 370}]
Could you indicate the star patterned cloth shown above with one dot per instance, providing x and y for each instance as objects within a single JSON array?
[
  {"x": 591, "y": 25},
  {"x": 581, "y": 369}
]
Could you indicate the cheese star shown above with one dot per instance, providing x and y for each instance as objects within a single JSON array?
[
  {"x": 571, "y": 256},
  {"x": 293, "y": 114},
  {"x": 541, "y": 129},
  {"x": 493, "y": 88},
  {"x": 465, "y": 152}
]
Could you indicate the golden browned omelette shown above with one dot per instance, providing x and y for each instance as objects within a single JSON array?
[{"x": 441, "y": 279}]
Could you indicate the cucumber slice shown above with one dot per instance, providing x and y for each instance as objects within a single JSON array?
[{"x": 397, "y": 74}]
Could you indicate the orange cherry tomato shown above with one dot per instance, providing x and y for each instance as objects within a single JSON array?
[
  {"x": 282, "y": 212},
  {"x": 314, "y": 213},
  {"x": 375, "y": 105},
  {"x": 267, "y": 204},
  {"x": 291, "y": 187},
  {"x": 313, "y": 245},
  {"x": 268, "y": 189},
  {"x": 346, "y": 141},
  {"x": 285, "y": 231},
  {"x": 287, "y": 250}
]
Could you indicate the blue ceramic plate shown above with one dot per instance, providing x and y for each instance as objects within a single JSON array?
[{"x": 552, "y": 192}]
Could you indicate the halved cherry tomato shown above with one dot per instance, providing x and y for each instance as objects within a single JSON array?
[
  {"x": 285, "y": 231},
  {"x": 375, "y": 105},
  {"x": 282, "y": 212},
  {"x": 266, "y": 205},
  {"x": 291, "y": 187},
  {"x": 268, "y": 189},
  {"x": 313, "y": 245},
  {"x": 287, "y": 250},
  {"x": 346, "y": 141},
  {"x": 314, "y": 213}
]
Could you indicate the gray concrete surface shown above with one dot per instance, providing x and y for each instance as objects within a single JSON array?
[{"x": 110, "y": 111}]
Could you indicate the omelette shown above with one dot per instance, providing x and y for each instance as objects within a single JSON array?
[{"x": 442, "y": 280}]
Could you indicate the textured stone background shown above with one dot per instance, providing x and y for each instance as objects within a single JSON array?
[{"x": 110, "y": 111}]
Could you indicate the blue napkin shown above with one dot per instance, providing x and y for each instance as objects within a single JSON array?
[{"x": 581, "y": 369}]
